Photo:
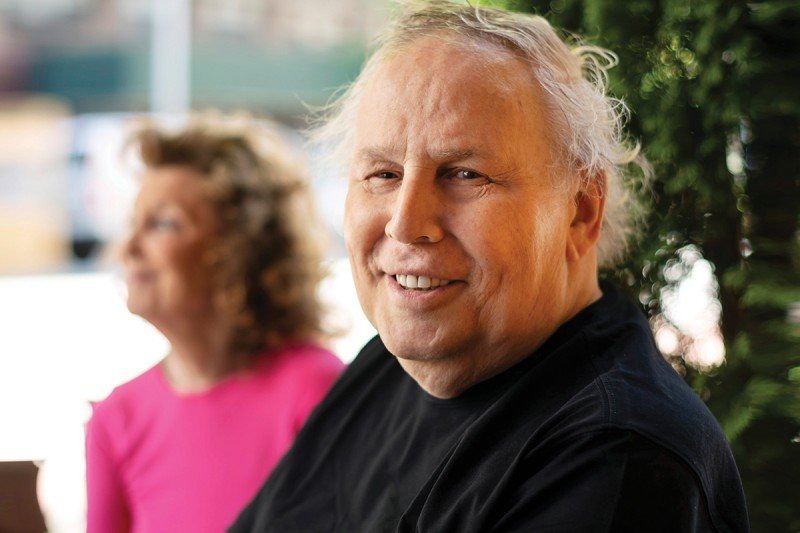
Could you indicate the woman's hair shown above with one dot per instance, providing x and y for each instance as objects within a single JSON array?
[
  {"x": 586, "y": 124},
  {"x": 266, "y": 260}
]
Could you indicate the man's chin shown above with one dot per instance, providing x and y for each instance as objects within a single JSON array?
[
  {"x": 411, "y": 350},
  {"x": 413, "y": 356},
  {"x": 416, "y": 340},
  {"x": 426, "y": 358}
]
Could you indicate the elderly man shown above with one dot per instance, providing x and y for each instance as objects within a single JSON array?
[{"x": 507, "y": 390}]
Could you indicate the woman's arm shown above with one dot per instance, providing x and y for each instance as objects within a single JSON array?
[{"x": 107, "y": 509}]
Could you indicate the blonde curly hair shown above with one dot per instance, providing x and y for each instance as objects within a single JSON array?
[{"x": 266, "y": 260}]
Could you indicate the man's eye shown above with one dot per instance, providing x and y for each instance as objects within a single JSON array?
[
  {"x": 464, "y": 174},
  {"x": 385, "y": 175},
  {"x": 382, "y": 181}
]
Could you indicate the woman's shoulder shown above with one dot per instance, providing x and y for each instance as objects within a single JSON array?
[
  {"x": 306, "y": 357},
  {"x": 135, "y": 392},
  {"x": 299, "y": 366}
]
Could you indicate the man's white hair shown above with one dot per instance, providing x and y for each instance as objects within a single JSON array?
[{"x": 586, "y": 124}]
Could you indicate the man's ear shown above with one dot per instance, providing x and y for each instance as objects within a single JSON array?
[{"x": 589, "y": 206}]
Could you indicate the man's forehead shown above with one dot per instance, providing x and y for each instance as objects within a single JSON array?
[
  {"x": 443, "y": 101},
  {"x": 449, "y": 56},
  {"x": 481, "y": 51}
]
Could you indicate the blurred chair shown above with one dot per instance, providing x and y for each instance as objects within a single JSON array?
[{"x": 19, "y": 509}]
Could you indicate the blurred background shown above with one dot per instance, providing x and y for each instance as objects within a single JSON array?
[
  {"x": 713, "y": 86},
  {"x": 74, "y": 76}
]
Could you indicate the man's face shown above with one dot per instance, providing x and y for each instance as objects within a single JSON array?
[{"x": 449, "y": 192}]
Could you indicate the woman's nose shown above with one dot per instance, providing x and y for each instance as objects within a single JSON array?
[{"x": 130, "y": 245}]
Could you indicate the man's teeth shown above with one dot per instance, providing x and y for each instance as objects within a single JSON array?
[{"x": 420, "y": 282}]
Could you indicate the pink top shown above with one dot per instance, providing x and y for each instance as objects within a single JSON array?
[{"x": 160, "y": 461}]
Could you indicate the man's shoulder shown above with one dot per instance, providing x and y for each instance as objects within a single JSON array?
[
  {"x": 606, "y": 385},
  {"x": 635, "y": 403},
  {"x": 641, "y": 392},
  {"x": 649, "y": 397},
  {"x": 623, "y": 381}
]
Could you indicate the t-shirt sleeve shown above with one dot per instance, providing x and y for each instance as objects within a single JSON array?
[
  {"x": 107, "y": 509},
  {"x": 317, "y": 377},
  {"x": 610, "y": 480}
]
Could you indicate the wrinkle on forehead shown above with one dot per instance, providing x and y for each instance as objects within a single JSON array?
[{"x": 394, "y": 153}]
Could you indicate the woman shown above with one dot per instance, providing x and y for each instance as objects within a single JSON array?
[{"x": 220, "y": 262}]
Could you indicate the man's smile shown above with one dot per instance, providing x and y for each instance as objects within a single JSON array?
[{"x": 421, "y": 283}]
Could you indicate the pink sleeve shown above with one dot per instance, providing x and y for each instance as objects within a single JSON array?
[
  {"x": 107, "y": 510},
  {"x": 317, "y": 380}
]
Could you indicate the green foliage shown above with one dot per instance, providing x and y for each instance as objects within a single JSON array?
[
  {"x": 750, "y": 403},
  {"x": 714, "y": 85}
]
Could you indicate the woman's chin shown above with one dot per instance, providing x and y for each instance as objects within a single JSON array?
[{"x": 140, "y": 309}]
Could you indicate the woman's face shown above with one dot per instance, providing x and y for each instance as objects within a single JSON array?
[{"x": 165, "y": 257}]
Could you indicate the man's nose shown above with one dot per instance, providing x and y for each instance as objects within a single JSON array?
[{"x": 416, "y": 211}]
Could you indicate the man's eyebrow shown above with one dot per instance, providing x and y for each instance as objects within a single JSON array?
[
  {"x": 387, "y": 153},
  {"x": 375, "y": 153},
  {"x": 453, "y": 154}
]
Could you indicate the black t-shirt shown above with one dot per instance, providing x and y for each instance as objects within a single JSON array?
[{"x": 592, "y": 432}]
